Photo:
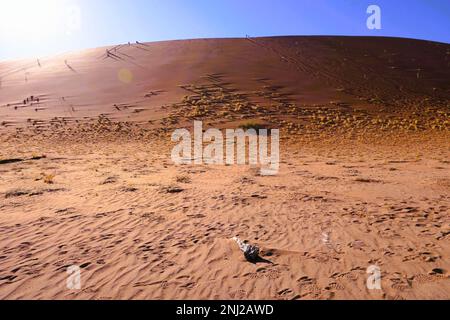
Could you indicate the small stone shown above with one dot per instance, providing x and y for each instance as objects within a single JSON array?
[{"x": 437, "y": 271}]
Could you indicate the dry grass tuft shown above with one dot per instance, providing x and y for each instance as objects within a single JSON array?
[
  {"x": 183, "y": 179},
  {"x": 48, "y": 178}
]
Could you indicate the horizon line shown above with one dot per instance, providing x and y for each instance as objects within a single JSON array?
[{"x": 220, "y": 38}]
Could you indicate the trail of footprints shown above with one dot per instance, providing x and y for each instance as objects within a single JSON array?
[{"x": 158, "y": 238}]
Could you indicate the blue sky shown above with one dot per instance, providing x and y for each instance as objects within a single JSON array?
[{"x": 35, "y": 28}]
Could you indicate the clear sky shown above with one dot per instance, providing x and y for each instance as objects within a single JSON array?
[{"x": 36, "y": 28}]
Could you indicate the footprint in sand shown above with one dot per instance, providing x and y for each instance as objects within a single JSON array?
[
  {"x": 335, "y": 286},
  {"x": 287, "y": 294},
  {"x": 436, "y": 274},
  {"x": 260, "y": 273},
  {"x": 238, "y": 294},
  {"x": 400, "y": 285},
  {"x": 308, "y": 286}
]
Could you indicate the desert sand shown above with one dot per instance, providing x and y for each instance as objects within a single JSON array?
[{"x": 86, "y": 176}]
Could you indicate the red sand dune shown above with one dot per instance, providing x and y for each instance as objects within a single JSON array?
[
  {"x": 86, "y": 177},
  {"x": 311, "y": 70}
]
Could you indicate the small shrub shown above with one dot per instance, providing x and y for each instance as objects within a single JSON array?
[
  {"x": 48, "y": 178},
  {"x": 183, "y": 179}
]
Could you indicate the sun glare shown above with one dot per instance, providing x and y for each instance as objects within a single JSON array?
[{"x": 32, "y": 20}]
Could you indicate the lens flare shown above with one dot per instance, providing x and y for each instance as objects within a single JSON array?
[{"x": 125, "y": 76}]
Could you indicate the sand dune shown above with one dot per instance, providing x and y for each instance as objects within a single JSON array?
[
  {"x": 132, "y": 82},
  {"x": 86, "y": 177}
]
